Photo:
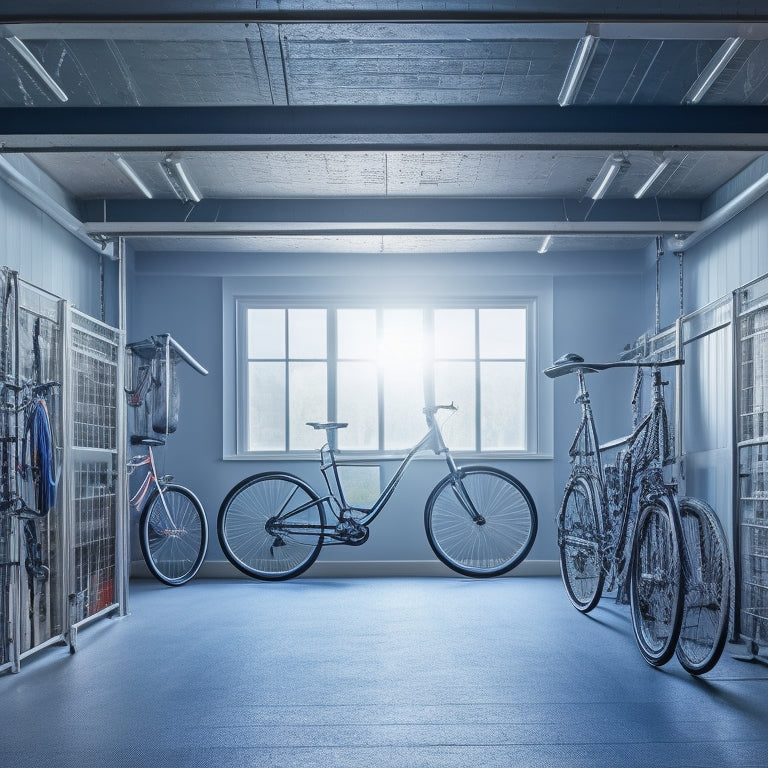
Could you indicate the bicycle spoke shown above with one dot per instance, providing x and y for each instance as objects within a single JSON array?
[
  {"x": 270, "y": 526},
  {"x": 495, "y": 542}
]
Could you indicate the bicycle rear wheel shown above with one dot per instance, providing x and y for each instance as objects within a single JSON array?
[
  {"x": 707, "y": 582},
  {"x": 173, "y": 533},
  {"x": 656, "y": 585},
  {"x": 270, "y": 526},
  {"x": 497, "y": 542},
  {"x": 579, "y": 533}
]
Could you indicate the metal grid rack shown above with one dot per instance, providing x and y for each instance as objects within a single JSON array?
[
  {"x": 81, "y": 539},
  {"x": 94, "y": 469},
  {"x": 752, "y": 440},
  {"x": 33, "y": 608}
]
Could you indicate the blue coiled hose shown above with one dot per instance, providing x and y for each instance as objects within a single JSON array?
[{"x": 38, "y": 437}]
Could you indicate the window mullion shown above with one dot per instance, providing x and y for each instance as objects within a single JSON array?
[
  {"x": 428, "y": 358},
  {"x": 333, "y": 362},
  {"x": 287, "y": 385},
  {"x": 380, "y": 377},
  {"x": 478, "y": 388}
]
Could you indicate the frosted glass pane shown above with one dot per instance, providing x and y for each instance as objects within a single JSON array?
[
  {"x": 306, "y": 333},
  {"x": 502, "y": 333},
  {"x": 357, "y": 392},
  {"x": 356, "y": 334},
  {"x": 502, "y": 417},
  {"x": 454, "y": 333},
  {"x": 403, "y": 405},
  {"x": 266, "y": 333},
  {"x": 455, "y": 382},
  {"x": 266, "y": 406},
  {"x": 307, "y": 393},
  {"x": 401, "y": 344}
]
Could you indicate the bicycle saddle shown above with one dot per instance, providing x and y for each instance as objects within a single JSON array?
[
  {"x": 327, "y": 424},
  {"x": 567, "y": 364},
  {"x": 145, "y": 440},
  {"x": 570, "y": 357}
]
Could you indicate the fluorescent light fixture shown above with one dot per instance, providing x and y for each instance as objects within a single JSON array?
[
  {"x": 188, "y": 188},
  {"x": 713, "y": 70},
  {"x": 544, "y": 247},
  {"x": 582, "y": 57},
  {"x": 132, "y": 175},
  {"x": 660, "y": 168},
  {"x": 39, "y": 69},
  {"x": 604, "y": 179}
]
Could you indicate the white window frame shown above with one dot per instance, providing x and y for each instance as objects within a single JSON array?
[{"x": 235, "y": 426}]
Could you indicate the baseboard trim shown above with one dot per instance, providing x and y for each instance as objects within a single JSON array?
[{"x": 348, "y": 569}]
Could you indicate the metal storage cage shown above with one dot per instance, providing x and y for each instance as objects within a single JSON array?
[
  {"x": 752, "y": 441},
  {"x": 94, "y": 469},
  {"x": 32, "y": 551},
  {"x": 63, "y": 565}
]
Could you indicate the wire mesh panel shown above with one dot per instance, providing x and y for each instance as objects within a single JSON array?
[
  {"x": 93, "y": 359},
  {"x": 32, "y": 586},
  {"x": 752, "y": 436},
  {"x": 40, "y": 360},
  {"x": 8, "y": 303}
]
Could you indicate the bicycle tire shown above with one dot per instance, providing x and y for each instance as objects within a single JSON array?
[
  {"x": 707, "y": 582},
  {"x": 656, "y": 584},
  {"x": 173, "y": 549},
  {"x": 260, "y": 500},
  {"x": 497, "y": 545},
  {"x": 579, "y": 533}
]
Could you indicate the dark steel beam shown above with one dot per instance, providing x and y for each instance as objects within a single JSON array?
[
  {"x": 382, "y": 127},
  {"x": 300, "y": 11}
]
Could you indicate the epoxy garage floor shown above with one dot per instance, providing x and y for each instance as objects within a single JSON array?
[{"x": 389, "y": 672}]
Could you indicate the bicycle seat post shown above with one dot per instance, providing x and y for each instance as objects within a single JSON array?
[{"x": 328, "y": 459}]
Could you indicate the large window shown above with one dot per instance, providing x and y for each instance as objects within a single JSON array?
[{"x": 375, "y": 367}]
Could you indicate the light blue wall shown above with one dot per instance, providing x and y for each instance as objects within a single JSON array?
[
  {"x": 727, "y": 259},
  {"x": 593, "y": 310},
  {"x": 48, "y": 256}
]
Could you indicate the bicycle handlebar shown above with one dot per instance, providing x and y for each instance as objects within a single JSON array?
[
  {"x": 431, "y": 409},
  {"x": 571, "y": 362}
]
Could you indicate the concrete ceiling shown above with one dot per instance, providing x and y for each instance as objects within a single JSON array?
[{"x": 386, "y": 126}]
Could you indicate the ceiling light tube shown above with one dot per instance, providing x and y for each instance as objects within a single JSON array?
[
  {"x": 132, "y": 175},
  {"x": 660, "y": 168},
  {"x": 604, "y": 179},
  {"x": 582, "y": 57},
  {"x": 544, "y": 247},
  {"x": 713, "y": 70},
  {"x": 185, "y": 181},
  {"x": 39, "y": 69}
]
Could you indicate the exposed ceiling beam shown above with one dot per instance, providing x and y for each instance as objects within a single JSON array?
[
  {"x": 285, "y": 11},
  {"x": 179, "y": 31},
  {"x": 311, "y": 216},
  {"x": 383, "y": 127}
]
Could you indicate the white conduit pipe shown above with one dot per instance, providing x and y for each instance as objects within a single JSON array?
[
  {"x": 722, "y": 215},
  {"x": 47, "y": 205}
]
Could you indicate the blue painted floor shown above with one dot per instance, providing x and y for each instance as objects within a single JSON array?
[{"x": 364, "y": 673}]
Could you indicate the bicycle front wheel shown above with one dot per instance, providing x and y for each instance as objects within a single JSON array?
[
  {"x": 270, "y": 526},
  {"x": 481, "y": 522},
  {"x": 707, "y": 583},
  {"x": 579, "y": 533},
  {"x": 656, "y": 586},
  {"x": 174, "y": 534}
]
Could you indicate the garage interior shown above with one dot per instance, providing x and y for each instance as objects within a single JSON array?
[{"x": 598, "y": 171}]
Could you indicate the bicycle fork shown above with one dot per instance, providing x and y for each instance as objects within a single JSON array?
[{"x": 461, "y": 494}]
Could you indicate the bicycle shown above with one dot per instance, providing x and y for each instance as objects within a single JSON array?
[
  {"x": 621, "y": 526},
  {"x": 479, "y": 520},
  {"x": 28, "y": 451},
  {"x": 173, "y": 531}
]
